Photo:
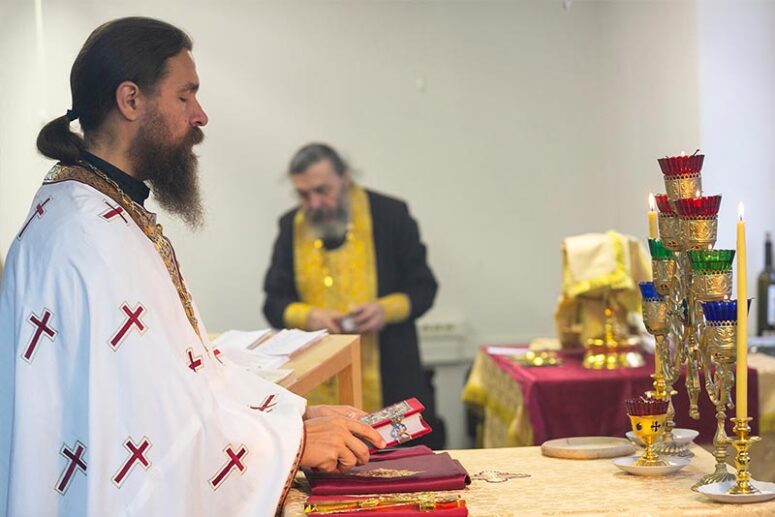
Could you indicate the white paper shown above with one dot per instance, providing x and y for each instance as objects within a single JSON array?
[
  {"x": 274, "y": 376},
  {"x": 506, "y": 350},
  {"x": 240, "y": 339},
  {"x": 253, "y": 359},
  {"x": 288, "y": 341}
]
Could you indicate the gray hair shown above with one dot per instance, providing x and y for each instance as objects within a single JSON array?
[{"x": 313, "y": 153}]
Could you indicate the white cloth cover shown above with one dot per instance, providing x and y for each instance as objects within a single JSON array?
[{"x": 110, "y": 404}]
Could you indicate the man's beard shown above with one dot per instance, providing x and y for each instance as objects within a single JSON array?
[
  {"x": 330, "y": 224},
  {"x": 170, "y": 168}
]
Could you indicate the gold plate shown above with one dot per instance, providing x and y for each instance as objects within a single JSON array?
[
  {"x": 587, "y": 447},
  {"x": 538, "y": 358}
]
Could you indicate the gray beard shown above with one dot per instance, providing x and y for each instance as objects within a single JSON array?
[
  {"x": 333, "y": 229},
  {"x": 330, "y": 230}
]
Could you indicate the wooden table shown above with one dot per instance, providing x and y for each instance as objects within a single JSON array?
[
  {"x": 575, "y": 487},
  {"x": 336, "y": 355}
]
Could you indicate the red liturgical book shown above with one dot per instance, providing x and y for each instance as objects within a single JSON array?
[
  {"x": 421, "y": 473},
  {"x": 399, "y": 452},
  {"x": 400, "y": 422}
]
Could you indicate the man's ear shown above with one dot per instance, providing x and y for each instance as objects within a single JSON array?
[{"x": 129, "y": 100}]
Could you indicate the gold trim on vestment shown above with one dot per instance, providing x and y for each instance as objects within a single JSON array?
[
  {"x": 396, "y": 306},
  {"x": 296, "y": 314},
  {"x": 339, "y": 279},
  {"x": 292, "y": 474},
  {"x": 89, "y": 175}
]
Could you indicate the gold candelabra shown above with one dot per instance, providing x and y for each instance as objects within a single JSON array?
[{"x": 688, "y": 273}]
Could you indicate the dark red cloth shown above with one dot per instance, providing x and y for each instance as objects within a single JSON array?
[
  {"x": 400, "y": 452},
  {"x": 570, "y": 400},
  {"x": 427, "y": 472},
  {"x": 448, "y": 512}
]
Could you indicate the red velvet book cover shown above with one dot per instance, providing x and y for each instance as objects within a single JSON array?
[
  {"x": 420, "y": 473},
  {"x": 399, "y": 452}
]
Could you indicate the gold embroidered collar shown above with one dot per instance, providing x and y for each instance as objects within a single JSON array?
[{"x": 87, "y": 174}]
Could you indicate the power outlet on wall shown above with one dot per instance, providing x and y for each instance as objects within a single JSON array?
[{"x": 442, "y": 328}]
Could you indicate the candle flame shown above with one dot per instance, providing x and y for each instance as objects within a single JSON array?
[
  {"x": 683, "y": 154},
  {"x": 740, "y": 210},
  {"x": 652, "y": 203}
]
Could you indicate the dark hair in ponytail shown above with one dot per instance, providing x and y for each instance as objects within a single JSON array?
[
  {"x": 56, "y": 141},
  {"x": 128, "y": 49}
]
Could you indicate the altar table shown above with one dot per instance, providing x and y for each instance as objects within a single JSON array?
[
  {"x": 574, "y": 487},
  {"x": 526, "y": 406}
]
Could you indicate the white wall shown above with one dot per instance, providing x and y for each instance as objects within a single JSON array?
[
  {"x": 737, "y": 119},
  {"x": 531, "y": 123}
]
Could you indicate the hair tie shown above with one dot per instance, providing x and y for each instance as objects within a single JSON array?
[{"x": 71, "y": 115}]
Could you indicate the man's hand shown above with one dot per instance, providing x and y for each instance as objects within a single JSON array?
[
  {"x": 322, "y": 410},
  {"x": 369, "y": 317},
  {"x": 333, "y": 444},
  {"x": 319, "y": 319}
]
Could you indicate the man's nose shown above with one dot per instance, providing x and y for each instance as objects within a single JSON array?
[
  {"x": 315, "y": 201},
  {"x": 200, "y": 118}
]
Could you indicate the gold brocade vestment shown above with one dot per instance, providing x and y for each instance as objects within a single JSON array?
[{"x": 339, "y": 279}]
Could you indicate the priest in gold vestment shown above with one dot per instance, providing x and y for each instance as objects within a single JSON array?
[{"x": 350, "y": 260}]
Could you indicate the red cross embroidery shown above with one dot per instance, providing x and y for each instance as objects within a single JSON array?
[
  {"x": 136, "y": 454},
  {"x": 39, "y": 211},
  {"x": 112, "y": 212},
  {"x": 235, "y": 460},
  {"x": 132, "y": 320},
  {"x": 267, "y": 405},
  {"x": 75, "y": 462},
  {"x": 194, "y": 361},
  {"x": 41, "y": 328}
]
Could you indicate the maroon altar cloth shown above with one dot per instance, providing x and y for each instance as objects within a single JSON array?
[{"x": 570, "y": 400}]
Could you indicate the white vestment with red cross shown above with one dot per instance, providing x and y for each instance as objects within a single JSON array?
[{"x": 110, "y": 403}]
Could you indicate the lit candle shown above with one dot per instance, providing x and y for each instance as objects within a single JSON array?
[
  {"x": 652, "y": 217},
  {"x": 741, "y": 384}
]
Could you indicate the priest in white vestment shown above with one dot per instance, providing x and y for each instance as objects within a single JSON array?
[{"x": 111, "y": 402}]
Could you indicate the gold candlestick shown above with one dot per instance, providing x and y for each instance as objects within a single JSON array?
[
  {"x": 718, "y": 349},
  {"x": 717, "y": 359},
  {"x": 655, "y": 318},
  {"x": 742, "y": 443}
]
